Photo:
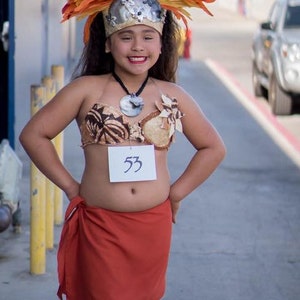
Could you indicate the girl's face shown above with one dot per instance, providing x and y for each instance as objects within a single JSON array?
[{"x": 135, "y": 49}]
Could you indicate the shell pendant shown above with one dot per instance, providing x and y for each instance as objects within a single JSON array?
[{"x": 131, "y": 105}]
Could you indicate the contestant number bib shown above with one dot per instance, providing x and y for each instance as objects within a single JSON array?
[{"x": 131, "y": 163}]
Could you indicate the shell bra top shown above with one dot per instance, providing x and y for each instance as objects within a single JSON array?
[{"x": 106, "y": 125}]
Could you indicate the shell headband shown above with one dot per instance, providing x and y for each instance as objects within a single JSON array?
[
  {"x": 124, "y": 13},
  {"x": 119, "y": 14}
]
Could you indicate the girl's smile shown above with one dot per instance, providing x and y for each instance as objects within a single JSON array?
[{"x": 137, "y": 59}]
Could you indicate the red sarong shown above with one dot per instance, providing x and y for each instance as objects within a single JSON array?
[{"x": 107, "y": 255}]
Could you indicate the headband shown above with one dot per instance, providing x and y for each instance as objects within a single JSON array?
[
  {"x": 125, "y": 13},
  {"x": 119, "y": 14}
]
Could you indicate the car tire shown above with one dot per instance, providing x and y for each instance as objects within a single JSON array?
[
  {"x": 257, "y": 87},
  {"x": 280, "y": 101}
]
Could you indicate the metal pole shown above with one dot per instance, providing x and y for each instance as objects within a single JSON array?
[
  {"x": 49, "y": 84},
  {"x": 57, "y": 72},
  {"x": 37, "y": 201},
  {"x": 11, "y": 74}
]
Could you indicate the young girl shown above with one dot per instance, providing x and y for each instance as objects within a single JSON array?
[{"x": 116, "y": 238}]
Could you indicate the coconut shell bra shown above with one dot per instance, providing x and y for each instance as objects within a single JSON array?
[{"x": 106, "y": 125}]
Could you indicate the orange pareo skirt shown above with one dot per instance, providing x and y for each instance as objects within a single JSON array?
[{"x": 107, "y": 255}]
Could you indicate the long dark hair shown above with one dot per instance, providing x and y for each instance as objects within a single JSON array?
[{"x": 95, "y": 61}]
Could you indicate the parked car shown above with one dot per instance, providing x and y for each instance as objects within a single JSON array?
[{"x": 276, "y": 57}]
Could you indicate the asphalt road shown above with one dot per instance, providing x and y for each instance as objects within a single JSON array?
[
  {"x": 226, "y": 39},
  {"x": 237, "y": 236}
]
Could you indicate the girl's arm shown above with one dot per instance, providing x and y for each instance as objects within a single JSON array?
[
  {"x": 47, "y": 123},
  {"x": 210, "y": 151}
]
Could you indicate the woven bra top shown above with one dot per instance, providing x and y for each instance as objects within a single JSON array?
[{"x": 106, "y": 125}]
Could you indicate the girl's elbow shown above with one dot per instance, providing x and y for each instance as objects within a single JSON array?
[
  {"x": 24, "y": 138},
  {"x": 221, "y": 151}
]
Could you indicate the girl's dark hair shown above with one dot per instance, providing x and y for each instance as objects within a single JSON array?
[
  {"x": 94, "y": 60},
  {"x": 166, "y": 65}
]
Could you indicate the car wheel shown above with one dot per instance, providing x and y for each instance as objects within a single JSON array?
[
  {"x": 257, "y": 88},
  {"x": 280, "y": 101}
]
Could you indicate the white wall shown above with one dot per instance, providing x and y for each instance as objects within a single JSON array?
[
  {"x": 61, "y": 35},
  {"x": 257, "y": 9},
  {"x": 35, "y": 53}
]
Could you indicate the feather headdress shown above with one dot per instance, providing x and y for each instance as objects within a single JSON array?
[{"x": 135, "y": 8}]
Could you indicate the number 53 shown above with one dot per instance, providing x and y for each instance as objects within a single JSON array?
[{"x": 134, "y": 162}]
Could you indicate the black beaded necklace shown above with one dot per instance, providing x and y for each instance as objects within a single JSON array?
[{"x": 131, "y": 105}]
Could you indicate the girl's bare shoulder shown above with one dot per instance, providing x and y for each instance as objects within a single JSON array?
[
  {"x": 90, "y": 82},
  {"x": 172, "y": 90},
  {"x": 73, "y": 95},
  {"x": 81, "y": 89}
]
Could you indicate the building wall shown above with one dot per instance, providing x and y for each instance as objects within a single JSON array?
[
  {"x": 40, "y": 41},
  {"x": 257, "y": 9}
]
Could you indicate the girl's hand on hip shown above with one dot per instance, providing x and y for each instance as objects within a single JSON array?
[
  {"x": 175, "y": 205},
  {"x": 73, "y": 191}
]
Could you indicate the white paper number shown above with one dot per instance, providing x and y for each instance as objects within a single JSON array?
[{"x": 131, "y": 163}]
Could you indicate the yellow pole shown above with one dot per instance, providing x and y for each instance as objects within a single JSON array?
[
  {"x": 49, "y": 214},
  {"x": 37, "y": 200},
  {"x": 49, "y": 84},
  {"x": 57, "y": 72}
]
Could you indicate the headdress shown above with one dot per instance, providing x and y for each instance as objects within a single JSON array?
[{"x": 119, "y": 14}]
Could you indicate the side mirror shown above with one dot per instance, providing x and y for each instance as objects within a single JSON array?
[
  {"x": 4, "y": 35},
  {"x": 267, "y": 26}
]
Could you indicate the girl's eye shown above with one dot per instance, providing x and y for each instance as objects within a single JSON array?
[
  {"x": 125, "y": 37},
  {"x": 148, "y": 37}
]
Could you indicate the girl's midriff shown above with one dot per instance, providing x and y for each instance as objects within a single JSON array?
[{"x": 98, "y": 191}]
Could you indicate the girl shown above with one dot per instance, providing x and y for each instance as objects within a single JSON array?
[{"x": 116, "y": 239}]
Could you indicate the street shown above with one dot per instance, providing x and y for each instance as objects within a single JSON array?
[
  {"x": 226, "y": 39},
  {"x": 237, "y": 236}
]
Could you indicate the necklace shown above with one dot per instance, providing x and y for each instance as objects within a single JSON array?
[{"x": 131, "y": 105}]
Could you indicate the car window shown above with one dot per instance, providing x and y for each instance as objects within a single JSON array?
[
  {"x": 274, "y": 15},
  {"x": 292, "y": 18}
]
